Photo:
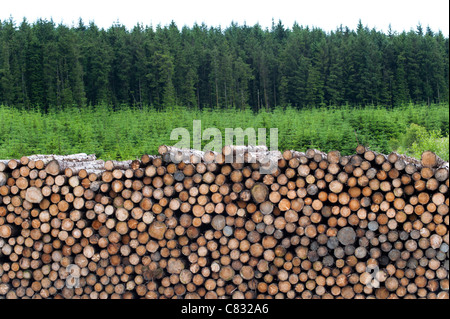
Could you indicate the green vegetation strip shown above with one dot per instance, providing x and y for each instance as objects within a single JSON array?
[{"x": 128, "y": 133}]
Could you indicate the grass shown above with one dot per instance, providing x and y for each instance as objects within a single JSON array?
[{"x": 128, "y": 133}]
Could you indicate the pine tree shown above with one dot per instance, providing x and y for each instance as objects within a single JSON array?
[
  {"x": 45, "y": 65},
  {"x": 6, "y": 78}
]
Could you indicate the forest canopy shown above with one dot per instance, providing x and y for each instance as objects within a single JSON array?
[{"x": 44, "y": 65}]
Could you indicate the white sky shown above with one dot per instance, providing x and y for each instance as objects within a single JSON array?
[{"x": 326, "y": 14}]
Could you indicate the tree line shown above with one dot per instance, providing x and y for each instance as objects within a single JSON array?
[{"x": 44, "y": 65}]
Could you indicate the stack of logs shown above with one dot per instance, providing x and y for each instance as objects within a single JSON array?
[{"x": 191, "y": 224}]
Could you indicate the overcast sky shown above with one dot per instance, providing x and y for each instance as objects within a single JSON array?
[{"x": 326, "y": 14}]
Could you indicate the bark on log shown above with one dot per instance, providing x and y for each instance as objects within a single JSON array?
[{"x": 3, "y": 178}]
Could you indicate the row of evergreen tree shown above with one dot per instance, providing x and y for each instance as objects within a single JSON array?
[{"x": 44, "y": 65}]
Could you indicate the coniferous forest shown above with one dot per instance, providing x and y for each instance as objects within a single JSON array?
[{"x": 44, "y": 65}]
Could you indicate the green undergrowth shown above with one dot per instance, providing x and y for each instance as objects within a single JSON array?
[{"x": 127, "y": 133}]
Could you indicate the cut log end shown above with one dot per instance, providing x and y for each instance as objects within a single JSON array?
[
  {"x": 34, "y": 195},
  {"x": 5, "y": 231},
  {"x": 157, "y": 230},
  {"x": 429, "y": 159},
  {"x": 163, "y": 149},
  {"x": 53, "y": 168},
  {"x": 260, "y": 192},
  {"x": 347, "y": 236}
]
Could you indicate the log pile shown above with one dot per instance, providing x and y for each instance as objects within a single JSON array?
[{"x": 191, "y": 224}]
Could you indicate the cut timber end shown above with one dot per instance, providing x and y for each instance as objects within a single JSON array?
[
  {"x": 163, "y": 149},
  {"x": 135, "y": 164},
  {"x": 218, "y": 222},
  {"x": 53, "y": 168},
  {"x": 347, "y": 236},
  {"x": 441, "y": 174},
  {"x": 34, "y": 195},
  {"x": 109, "y": 165},
  {"x": 5, "y": 231},
  {"x": 260, "y": 192},
  {"x": 336, "y": 186},
  {"x": 334, "y": 157},
  {"x": 429, "y": 159},
  {"x": 157, "y": 230},
  {"x": 360, "y": 149}
]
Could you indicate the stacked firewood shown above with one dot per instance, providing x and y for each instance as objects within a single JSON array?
[{"x": 243, "y": 223}]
